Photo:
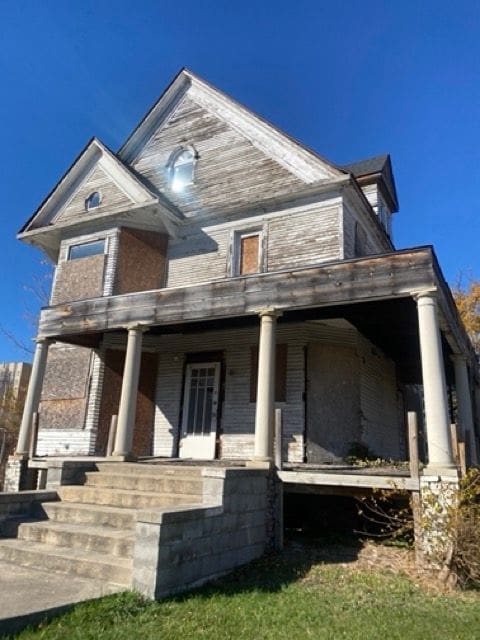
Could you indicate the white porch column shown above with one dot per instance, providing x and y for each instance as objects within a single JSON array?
[
  {"x": 128, "y": 397},
  {"x": 32, "y": 399},
  {"x": 264, "y": 414},
  {"x": 434, "y": 385},
  {"x": 464, "y": 404}
]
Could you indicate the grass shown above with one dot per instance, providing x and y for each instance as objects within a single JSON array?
[{"x": 290, "y": 596}]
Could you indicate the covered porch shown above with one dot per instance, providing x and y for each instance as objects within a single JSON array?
[{"x": 398, "y": 305}]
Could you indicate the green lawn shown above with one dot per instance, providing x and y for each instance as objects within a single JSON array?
[{"x": 286, "y": 596}]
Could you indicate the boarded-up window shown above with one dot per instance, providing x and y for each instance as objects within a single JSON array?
[
  {"x": 249, "y": 250},
  {"x": 280, "y": 373}
]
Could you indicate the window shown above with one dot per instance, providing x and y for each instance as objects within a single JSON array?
[
  {"x": 93, "y": 201},
  {"x": 360, "y": 240},
  {"x": 180, "y": 168},
  {"x": 247, "y": 253},
  {"x": 86, "y": 249},
  {"x": 280, "y": 373}
]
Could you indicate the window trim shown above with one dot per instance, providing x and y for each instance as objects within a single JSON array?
[
  {"x": 72, "y": 245},
  {"x": 236, "y": 243},
  {"x": 173, "y": 162},
  {"x": 100, "y": 200}
]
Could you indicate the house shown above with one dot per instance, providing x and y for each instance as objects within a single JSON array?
[
  {"x": 13, "y": 387},
  {"x": 214, "y": 269}
]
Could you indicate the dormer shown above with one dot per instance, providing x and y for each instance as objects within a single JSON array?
[
  {"x": 104, "y": 227},
  {"x": 375, "y": 177}
]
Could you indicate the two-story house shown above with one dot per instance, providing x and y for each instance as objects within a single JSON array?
[
  {"x": 214, "y": 268},
  {"x": 211, "y": 271}
]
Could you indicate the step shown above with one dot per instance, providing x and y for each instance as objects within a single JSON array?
[
  {"x": 145, "y": 482},
  {"x": 98, "y": 539},
  {"x": 91, "y": 514},
  {"x": 120, "y": 498},
  {"x": 65, "y": 560},
  {"x": 164, "y": 469}
]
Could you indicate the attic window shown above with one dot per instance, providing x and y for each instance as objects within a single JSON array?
[
  {"x": 93, "y": 201},
  {"x": 180, "y": 168}
]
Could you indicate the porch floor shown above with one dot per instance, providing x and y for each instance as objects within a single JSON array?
[
  {"x": 317, "y": 475},
  {"x": 295, "y": 476}
]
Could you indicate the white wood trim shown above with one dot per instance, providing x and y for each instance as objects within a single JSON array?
[
  {"x": 194, "y": 445},
  {"x": 349, "y": 480}
]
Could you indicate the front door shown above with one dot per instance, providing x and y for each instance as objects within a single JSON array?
[{"x": 200, "y": 405}]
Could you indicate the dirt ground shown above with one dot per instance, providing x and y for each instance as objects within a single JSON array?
[{"x": 371, "y": 556}]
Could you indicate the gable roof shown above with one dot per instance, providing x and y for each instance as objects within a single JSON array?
[
  {"x": 376, "y": 167},
  {"x": 298, "y": 159},
  {"x": 94, "y": 154}
]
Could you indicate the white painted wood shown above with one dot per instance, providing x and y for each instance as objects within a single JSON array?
[
  {"x": 434, "y": 385},
  {"x": 359, "y": 480},
  {"x": 200, "y": 446}
]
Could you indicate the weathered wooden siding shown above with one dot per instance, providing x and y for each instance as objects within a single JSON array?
[
  {"x": 303, "y": 235},
  {"x": 237, "y": 424},
  {"x": 200, "y": 255},
  {"x": 230, "y": 171},
  {"x": 141, "y": 261},
  {"x": 371, "y": 243},
  {"x": 112, "y": 196}
]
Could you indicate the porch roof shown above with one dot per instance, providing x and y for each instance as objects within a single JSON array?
[{"x": 347, "y": 287}]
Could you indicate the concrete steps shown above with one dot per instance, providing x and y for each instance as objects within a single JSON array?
[
  {"x": 115, "y": 542},
  {"x": 90, "y": 531},
  {"x": 122, "y": 498},
  {"x": 67, "y": 560},
  {"x": 161, "y": 483},
  {"x": 163, "y": 469}
]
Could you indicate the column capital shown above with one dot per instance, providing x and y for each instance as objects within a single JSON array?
[
  {"x": 459, "y": 358},
  {"x": 426, "y": 293},
  {"x": 43, "y": 340},
  {"x": 269, "y": 312},
  {"x": 137, "y": 326}
]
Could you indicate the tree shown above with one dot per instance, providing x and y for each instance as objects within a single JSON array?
[{"x": 467, "y": 299}]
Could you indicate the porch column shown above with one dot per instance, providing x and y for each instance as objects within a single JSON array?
[
  {"x": 265, "y": 388},
  {"x": 464, "y": 404},
  {"x": 434, "y": 385},
  {"x": 32, "y": 399},
  {"x": 128, "y": 397}
]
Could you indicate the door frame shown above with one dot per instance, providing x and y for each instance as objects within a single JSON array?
[{"x": 216, "y": 410}]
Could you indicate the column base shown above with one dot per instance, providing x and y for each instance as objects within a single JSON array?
[
  {"x": 441, "y": 470},
  {"x": 18, "y": 455},
  {"x": 122, "y": 457},
  {"x": 260, "y": 463}
]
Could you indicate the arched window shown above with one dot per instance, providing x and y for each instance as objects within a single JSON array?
[
  {"x": 93, "y": 201},
  {"x": 180, "y": 168}
]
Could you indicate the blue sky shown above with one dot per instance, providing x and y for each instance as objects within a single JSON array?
[{"x": 350, "y": 79}]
